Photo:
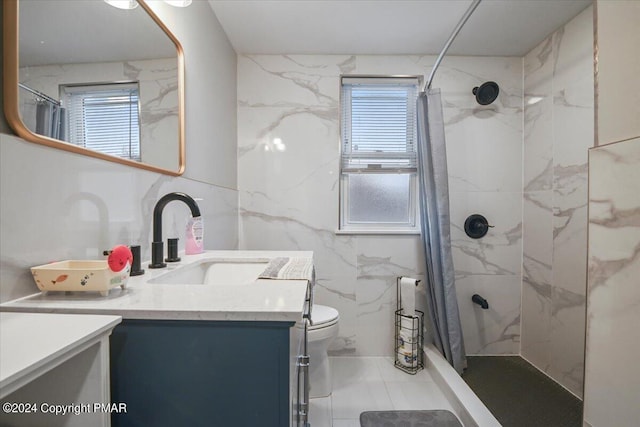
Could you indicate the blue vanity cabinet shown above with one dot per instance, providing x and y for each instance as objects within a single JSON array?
[{"x": 201, "y": 373}]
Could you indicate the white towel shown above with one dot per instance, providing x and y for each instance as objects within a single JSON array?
[{"x": 284, "y": 268}]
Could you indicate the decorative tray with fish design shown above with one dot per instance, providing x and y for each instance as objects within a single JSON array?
[{"x": 72, "y": 275}]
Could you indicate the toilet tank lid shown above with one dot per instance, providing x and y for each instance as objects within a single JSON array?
[{"x": 322, "y": 314}]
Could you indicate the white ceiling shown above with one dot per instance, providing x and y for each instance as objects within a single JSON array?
[{"x": 497, "y": 27}]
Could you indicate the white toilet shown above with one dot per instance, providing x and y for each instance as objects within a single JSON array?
[{"x": 322, "y": 332}]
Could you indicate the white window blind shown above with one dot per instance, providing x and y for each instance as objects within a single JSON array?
[
  {"x": 378, "y": 124},
  {"x": 104, "y": 118},
  {"x": 378, "y": 155}
]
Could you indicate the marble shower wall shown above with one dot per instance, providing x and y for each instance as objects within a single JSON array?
[
  {"x": 612, "y": 378},
  {"x": 289, "y": 196},
  {"x": 558, "y": 131}
]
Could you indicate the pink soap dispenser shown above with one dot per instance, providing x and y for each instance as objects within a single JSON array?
[{"x": 194, "y": 236}]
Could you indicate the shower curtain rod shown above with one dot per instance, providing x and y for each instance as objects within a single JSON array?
[
  {"x": 455, "y": 32},
  {"x": 40, "y": 94}
]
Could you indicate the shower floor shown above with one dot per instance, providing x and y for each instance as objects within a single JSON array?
[{"x": 519, "y": 395}]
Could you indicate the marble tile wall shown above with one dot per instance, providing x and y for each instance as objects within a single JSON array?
[
  {"x": 612, "y": 377},
  {"x": 289, "y": 197},
  {"x": 58, "y": 205},
  {"x": 558, "y": 131}
]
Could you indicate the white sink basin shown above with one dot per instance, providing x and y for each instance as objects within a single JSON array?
[{"x": 214, "y": 272}]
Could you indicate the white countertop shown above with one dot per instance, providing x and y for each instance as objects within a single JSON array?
[
  {"x": 33, "y": 342},
  {"x": 263, "y": 300}
]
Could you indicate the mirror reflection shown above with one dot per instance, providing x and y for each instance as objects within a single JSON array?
[{"x": 100, "y": 77}]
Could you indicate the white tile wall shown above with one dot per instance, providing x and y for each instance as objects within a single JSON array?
[
  {"x": 612, "y": 377},
  {"x": 56, "y": 205},
  {"x": 558, "y": 131},
  {"x": 289, "y": 199}
]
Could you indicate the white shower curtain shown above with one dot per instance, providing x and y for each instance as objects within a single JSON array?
[{"x": 436, "y": 235}]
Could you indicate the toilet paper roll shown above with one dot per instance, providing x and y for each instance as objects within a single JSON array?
[
  {"x": 407, "y": 358},
  {"x": 409, "y": 328},
  {"x": 409, "y": 323},
  {"x": 408, "y": 295},
  {"x": 408, "y": 337}
]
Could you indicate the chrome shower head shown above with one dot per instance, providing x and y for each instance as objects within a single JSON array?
[{"x": 486, "y": 93}]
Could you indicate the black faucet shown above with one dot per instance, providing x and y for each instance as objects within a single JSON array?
[
  {"x": 480, "y": 301},
  {"x": 157, "y": 245}
]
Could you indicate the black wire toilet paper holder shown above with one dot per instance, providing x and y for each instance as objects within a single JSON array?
[{"x": 408, "y": 356}]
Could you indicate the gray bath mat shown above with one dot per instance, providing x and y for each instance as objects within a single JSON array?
[{"x": 435, "y": 418}]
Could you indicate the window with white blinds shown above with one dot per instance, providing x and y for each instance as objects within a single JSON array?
[
  {"x": 104, "y": 118},
  {"x": 378, "y": 155},
  {"x": 378, "y": 124}
]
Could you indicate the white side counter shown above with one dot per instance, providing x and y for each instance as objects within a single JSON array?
[{"x": 55, "y": 362}]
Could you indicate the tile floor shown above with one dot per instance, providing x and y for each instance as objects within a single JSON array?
[{"x": 372, "y": 384}]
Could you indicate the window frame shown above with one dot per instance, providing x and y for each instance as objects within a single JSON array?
[
  {"x": 345, "y": 226},
  {"x": 67, "y": 91}
]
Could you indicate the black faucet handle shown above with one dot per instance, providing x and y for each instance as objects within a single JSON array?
[
  {"x": 135, "y": 267},
  {"x": 172, "y": 250},
  {"x": 157, "y": 249}
]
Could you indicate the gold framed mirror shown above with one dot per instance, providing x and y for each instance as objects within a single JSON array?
[{"x": 93, "y": 79}]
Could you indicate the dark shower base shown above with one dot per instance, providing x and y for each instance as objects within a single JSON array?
[{"x": 519, "y": 395}]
